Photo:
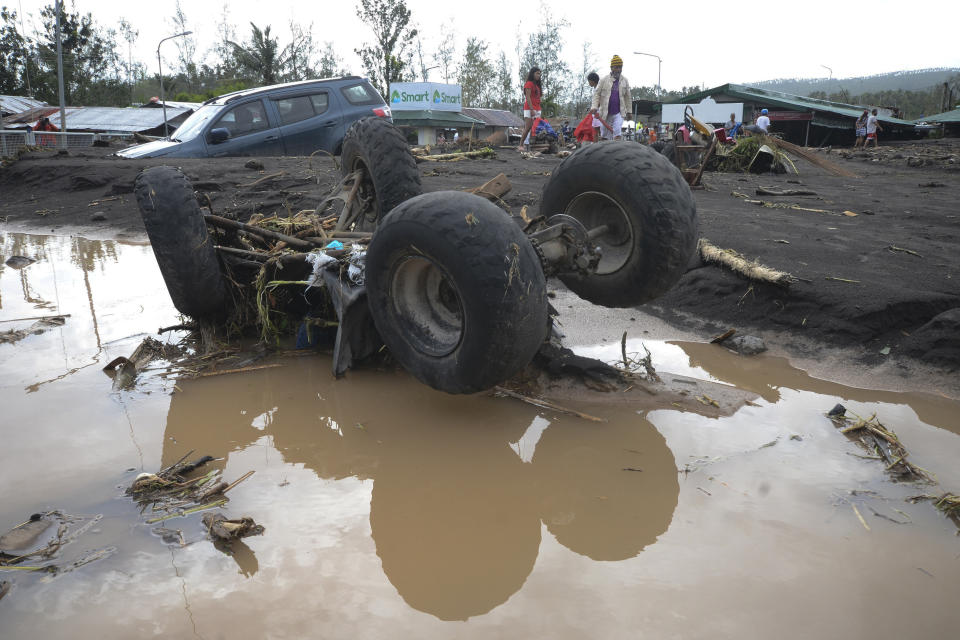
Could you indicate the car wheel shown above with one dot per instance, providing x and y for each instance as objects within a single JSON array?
[
  {"x": 181, "y": 244},
  {"x": 649, "y": 212},
  {"x": 456, "y": 291},
  {"x": 389, "y": 172}
]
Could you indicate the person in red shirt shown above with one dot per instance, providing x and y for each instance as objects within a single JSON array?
[
  {"x": 531, "y": 103},
  {"x": 44, "y": 124}
]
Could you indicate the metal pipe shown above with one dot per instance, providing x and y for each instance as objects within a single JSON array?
[{"x": 598, "y": 231}]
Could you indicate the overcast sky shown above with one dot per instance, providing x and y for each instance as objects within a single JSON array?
[{"x": 708, "y": 43}]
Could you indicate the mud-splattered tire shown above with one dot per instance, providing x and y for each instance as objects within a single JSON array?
[
  {"x": 391, "y": 174},
  {"x": 181, "y": 244},
  {"x": 658, "y": 145},
  {"x": 650, "y": 212},
  {"x": 456, "y": 291}
]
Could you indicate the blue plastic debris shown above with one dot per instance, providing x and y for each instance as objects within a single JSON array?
[{"x": 335, "y": 244}]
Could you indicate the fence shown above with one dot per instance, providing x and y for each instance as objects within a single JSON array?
[{"x": 13, "y": 141}]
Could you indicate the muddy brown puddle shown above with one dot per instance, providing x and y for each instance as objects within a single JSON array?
[{"x": 395, "y": 511}]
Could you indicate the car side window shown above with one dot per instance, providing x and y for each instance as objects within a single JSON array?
[
  {"x": 321, "y": 102},
  {"x": 244, "y": 119},
  {"x": 359, "y": 94},
  {"x": 294, "y": 109}
]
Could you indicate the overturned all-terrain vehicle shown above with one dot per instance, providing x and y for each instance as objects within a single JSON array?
[{"x": 452, "y": 284}]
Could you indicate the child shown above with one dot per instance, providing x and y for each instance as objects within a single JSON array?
[{"x": 593, "y": 79}]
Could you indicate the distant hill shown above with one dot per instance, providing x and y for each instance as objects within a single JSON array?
[{"x": 918, "y": 80}]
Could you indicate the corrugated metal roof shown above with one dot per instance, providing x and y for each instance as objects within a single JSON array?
[
  {"x": 172, "y": 103},
  {"x": 946, "y": 116},
  {"x": 430, "y": 118},
  {"x": 778, "y": 99},
  {"x": 494, "y": 117},
  {"x": 19, "y": 104},
  {"x": 117, "y": 119}
]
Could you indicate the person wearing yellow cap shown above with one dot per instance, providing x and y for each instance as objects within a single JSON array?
[{"x": 611, "y": 100}]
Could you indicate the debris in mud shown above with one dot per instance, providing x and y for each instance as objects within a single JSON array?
[
  {"x": 746, "y": 345},
  {"x": 19, "y": 262},
  {"x": 41, "y": 325},
  {"x": 171, "y": 494},
  {"x": 749, "y": 269},
  {"x": 485, "y": 152},
  {"x": 948, "y": 503},
  {"x": 546, "y": 404},
  {"x": 222, "y": 530},
  {"x": 879, "y": 440},
  {"x": 632, "y": 363},
  {"x": 23, "y": 542},
  {"x": 124, "y": 371}
]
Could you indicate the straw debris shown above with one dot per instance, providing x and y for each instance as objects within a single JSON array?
[
  {"x": 749, "y": 269},
  {"x": 883, "y": 442}
]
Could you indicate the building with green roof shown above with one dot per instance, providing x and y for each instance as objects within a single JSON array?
[{"x": 801, "y": 120}]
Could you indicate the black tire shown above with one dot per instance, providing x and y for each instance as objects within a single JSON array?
[
  {"x": 456, "y": 291},
  {"x": 391, "y": 174},
  {"x": 658, "y": 145},
  {"x": 650, "y": 211},
  {"x": 669, "y": 151},
  {"x": 181, "y": 244}
]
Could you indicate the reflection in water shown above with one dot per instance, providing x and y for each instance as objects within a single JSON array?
[
  {"x": 766, "y": 375},
  {"x": 456, "y": 511}
]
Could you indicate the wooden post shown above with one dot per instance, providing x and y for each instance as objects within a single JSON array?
[{"x": 806, "y": 138}]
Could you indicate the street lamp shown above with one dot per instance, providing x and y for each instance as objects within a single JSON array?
[
  {"x": 830, "y": 70},
  {"x": 163, "y": 99},
  {"x": 659, "y": 62}
]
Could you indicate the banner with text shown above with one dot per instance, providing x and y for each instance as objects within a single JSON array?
[{"x": 425, "y": 95}]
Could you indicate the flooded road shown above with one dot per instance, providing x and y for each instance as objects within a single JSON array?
[{"x": 393, "y": 511}]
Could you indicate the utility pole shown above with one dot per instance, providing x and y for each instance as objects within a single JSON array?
[
  {"x": 26, "y": 54},
  {"x": 63, "y": 106}
]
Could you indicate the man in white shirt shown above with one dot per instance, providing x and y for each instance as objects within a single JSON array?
[
  {"x": 763, "y": 122},
  {"x": 872, "y": 127}
]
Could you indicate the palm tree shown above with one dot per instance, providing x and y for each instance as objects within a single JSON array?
[{"x": 259, "y": 59}]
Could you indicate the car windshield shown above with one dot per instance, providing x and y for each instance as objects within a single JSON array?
[{"x": 193, "y": 125}]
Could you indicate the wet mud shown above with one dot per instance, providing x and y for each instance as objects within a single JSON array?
[{"x": 392, "y": 510}]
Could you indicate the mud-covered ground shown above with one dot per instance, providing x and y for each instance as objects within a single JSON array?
[{"x": 883, "y": 283}]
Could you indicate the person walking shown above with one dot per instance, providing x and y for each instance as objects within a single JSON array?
[
  {"x": 861, "y": 128},
  {"x": 611, "y": 100},
  {"x": 873, "y": 126},
  {"x": 532, "y": 90},
  {"x": 763, "y": 122}
]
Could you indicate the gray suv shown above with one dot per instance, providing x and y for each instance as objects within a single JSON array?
[{"x": 290, "y": 119}]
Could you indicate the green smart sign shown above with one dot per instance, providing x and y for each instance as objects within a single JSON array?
[{"x": 425, "y": 95}]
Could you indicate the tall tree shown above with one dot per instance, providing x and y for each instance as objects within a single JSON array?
[
  {"x": 331, "y": 65},
  {"x": 260, "y": 58},
  {"x": 503, "y": 96},
  {"x": 300, "y": 55},
  {"x": 186, "y": 46},
  {"x": 387, "y": 59},
  {"x": 225, "y": 63},
  {"x": 92, "y": 73},
  {"x": 447, "y": 51},
  {"x": 475, "y": 74},
  {"x": 13, "y": 54},
  {"x": 581, "y": 93},
  {"x": 544, "y": 49}
]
